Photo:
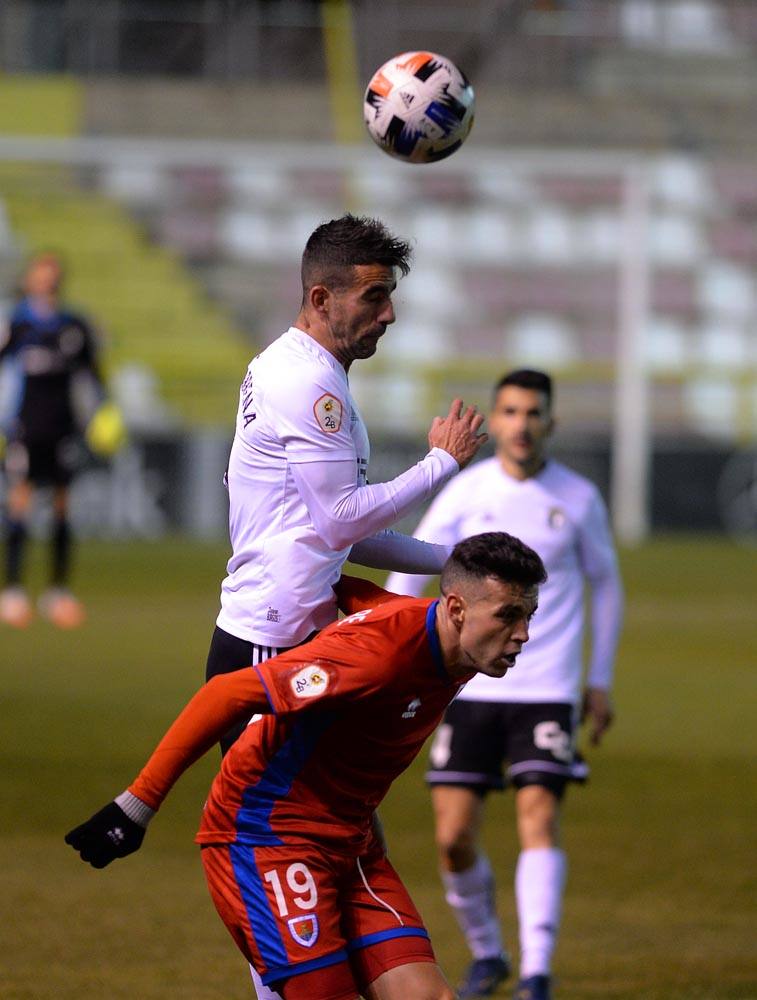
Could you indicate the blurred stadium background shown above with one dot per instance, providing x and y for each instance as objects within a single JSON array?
[{"x": 600, "y": 222}]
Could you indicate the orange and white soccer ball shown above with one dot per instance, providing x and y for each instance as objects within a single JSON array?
[{"x": 419, "y": 107}]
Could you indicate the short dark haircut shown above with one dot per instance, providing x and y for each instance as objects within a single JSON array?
[
  {"x": 527, "y": 378},
  {"x": 335, "y": 247},
  {"x": 495, "y": 554}
]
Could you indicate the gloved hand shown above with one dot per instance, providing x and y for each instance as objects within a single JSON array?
[
  {"x": 107, "y": 835},
  {"x": 105, "y": 433}
]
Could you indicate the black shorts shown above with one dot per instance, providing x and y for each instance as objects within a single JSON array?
[
  {"x": 228, "y": 653},
  {"x": 476, "y": 737},
  {"x": 46, "y": 461}
]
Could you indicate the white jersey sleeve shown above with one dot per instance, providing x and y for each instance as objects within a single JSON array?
[
  {"x": 395, "y": 551},
  {"x": 343, "y": 512},
  {"x": 600, "y": 567},
  {"x": 312, "y": 417},
  {"x": 440, "y": 525}
]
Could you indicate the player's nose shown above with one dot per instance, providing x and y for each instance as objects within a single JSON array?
[
  {"x": 387, "y": 313},
  {"x": 520, "y": 632}
]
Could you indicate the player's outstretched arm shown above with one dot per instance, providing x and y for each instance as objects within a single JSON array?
[
  {"x": 119, "y": 828},
  {"x": 400, "y": 553}
]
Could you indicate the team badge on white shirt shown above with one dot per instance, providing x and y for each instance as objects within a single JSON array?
[{"x": 328, "y": 412}]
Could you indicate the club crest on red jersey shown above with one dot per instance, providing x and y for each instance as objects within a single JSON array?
[
  {"x": 310, "y": 681},
  {"x": 304, "y": 930}
]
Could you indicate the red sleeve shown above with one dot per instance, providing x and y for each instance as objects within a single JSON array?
[
  {"x": 354, "y": 594},
  {"x": 351, "y": 659},
  {"x": 224, "y": 700}
]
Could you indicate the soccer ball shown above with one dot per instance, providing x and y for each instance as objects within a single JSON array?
[{"x": 419, "y": 107}]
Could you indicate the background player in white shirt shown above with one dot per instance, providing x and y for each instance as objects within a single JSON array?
[
  {"x": 298, "y": 493},
  {"x": 529, "y": 716}
]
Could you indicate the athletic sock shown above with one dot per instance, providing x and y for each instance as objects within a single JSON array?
[
  {"x": 471, "y": 895},
  {"x": 61, "y": 553},
  {"x": 539, "y": 883},
  {"x": 15, "y": 543}
]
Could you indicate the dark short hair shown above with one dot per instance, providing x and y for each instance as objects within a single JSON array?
[
  {"x": 496, "y": 554},
  {"x": 335, "y": 247},
  {"x": 527, "y": 378}
]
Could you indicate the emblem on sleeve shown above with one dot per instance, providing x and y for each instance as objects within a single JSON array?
[
  {"x": 328, "y": 413},
  {"x": 309, "y": 682}
]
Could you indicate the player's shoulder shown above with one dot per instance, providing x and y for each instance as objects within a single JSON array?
[
  {"x": 569, "y": 485},
  {"x": 396, "y": 617},
  {"x": 356, "y": 594},
  {"x": 294, "y": 363},
  {"x": 381, "y": 637}
]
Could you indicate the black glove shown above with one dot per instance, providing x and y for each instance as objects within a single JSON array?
[{"x": 107, "y": 835}]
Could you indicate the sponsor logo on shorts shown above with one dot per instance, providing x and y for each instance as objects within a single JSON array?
[
  {"x": 310, "y": 681},
  {"x": 328, "y": 412},
  {"x": 549, "y": 736},
  {"x": 441, "y": 747},
  {"x": 304, "y": 930}
]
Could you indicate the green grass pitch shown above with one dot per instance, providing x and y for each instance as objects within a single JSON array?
[{"x": 661, "y": 885}]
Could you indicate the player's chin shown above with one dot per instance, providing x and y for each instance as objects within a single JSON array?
[
  {"x": 367, "y": 348},
  {"x": 498, "y": 668}
]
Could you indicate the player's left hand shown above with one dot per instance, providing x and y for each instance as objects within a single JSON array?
[
  {"x": 107, "y": 835},
  {"x": 598, "y": 712}
]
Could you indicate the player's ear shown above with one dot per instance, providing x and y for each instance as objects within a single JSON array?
[
  {"x": 318, "y": 297},
  {"x": 455, "y": 605}
]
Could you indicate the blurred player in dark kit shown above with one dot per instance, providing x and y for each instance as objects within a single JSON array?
[{"x": 49, "y": 356}]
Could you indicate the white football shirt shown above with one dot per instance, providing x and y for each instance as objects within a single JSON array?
[
  {"x": 561, "y": 515},
  {"x": 296, "y": 415}
]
